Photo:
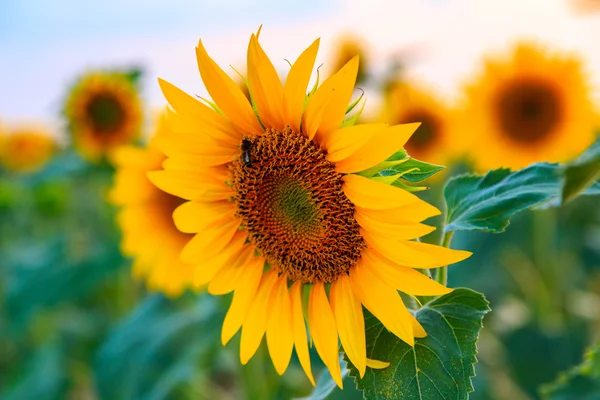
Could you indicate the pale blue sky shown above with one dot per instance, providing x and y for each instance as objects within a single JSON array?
[{"x": 45, "y": 45}]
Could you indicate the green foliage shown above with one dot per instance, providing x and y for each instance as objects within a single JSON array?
[
  {"x": 580, "y": 383},
  {"x": 401, "y": 170},
  {"x": 487, "y": 202},
  {"x": 581, "y": 173},
  {"x": 439, "y": 366},
  {"x": 160, "y": 347}
]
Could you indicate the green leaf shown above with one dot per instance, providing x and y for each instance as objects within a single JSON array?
[
  {"x": 581, "y": 173},
  {"x": 487, "y": 202},
  {"x": 580, "y": 383},
  {"x": 439, "y": 366},
  {"x": 159, "y": 348}
]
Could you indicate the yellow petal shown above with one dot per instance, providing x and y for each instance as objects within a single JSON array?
[
  {"x": 256, "y": 321},
  {"x": 206, "y": 270},
  {"x": 189, "y": 186},
  {"x": 342, "y": 143},
  {"x": 376, "y": 364},
  {"x": 405, "y": 231},
  {"x": 299, "y": 327},
  {"x": 226, "y": 94},
  {"x": 211, "y": 122},
  {"x": 382, "y": 301},
  {"x": 294, "y": 92},
  {"x": 326, "y": 108},
  {"x": 324, "y": 331},
  {"x": 243, "y": 297},
  {"x": 206, "y": 244},
  {"x": 381, "y": 146},
  {"x": 373, "y": 195},
  {"x": 405, "y": 279},
  {"x": 227, "y": 278},
  {"x": 418, "y": 330},
  {"x": 265, "y": 86},
  {"x": 350, "y": 322},
  {"x": 413, "y": 254},
  {"x": 280, "y": 335},
  {"x": 196, "y": 216},
  {"x": 416, "y": 212}
]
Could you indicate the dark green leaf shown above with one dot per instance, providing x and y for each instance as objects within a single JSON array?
[
  {"x": 580, "y": 383},
  {"x": 43, "y": 377},
  {"x": 439, "y": 366},
  {"x": 158, "y": 348},
  {"x": 487, "y": 202},
  {"x": 581, "y": 173}
]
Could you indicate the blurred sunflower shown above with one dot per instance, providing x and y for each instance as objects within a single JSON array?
[
  {"x": 585, "y": 6},
  {"x": 26, "y": 149},
  {"x": 145, "y": 218},
  {"x": 104, "y": 111},
  {"x": 348, "y": 47},
  {"x": 533, "y": 106},
  {"x": 405, "y": 103},
  {"x": 280, "y": 215}
]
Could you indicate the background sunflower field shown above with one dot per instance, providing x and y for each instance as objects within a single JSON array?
[{"x": 508, "y": 93}]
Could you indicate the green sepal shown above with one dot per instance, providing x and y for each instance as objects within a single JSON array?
[
  {"x": 355, "y": 102},
  {"x": 134, "y": 75},
  {"x": 353, "y": 119},
  {"x": 394, "y": 180},
  {"x": 403, "y": 167}
]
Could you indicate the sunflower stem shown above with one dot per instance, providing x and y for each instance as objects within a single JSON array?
[{"x": 442, "y": 274}]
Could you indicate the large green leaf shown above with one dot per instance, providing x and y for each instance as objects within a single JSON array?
[
  {"x": 582, "y": 172},
  {"x": 487, "y": 202},
  {"x": 158, "y": 348},
  {"x": 580, "y": 383},
  {"x": 439, "y": 366}
]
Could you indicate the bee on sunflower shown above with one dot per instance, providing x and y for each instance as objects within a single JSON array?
[
  {"x": 26, "y": 149},
  {"x": 282, "y": 217},
  {"x": 532, "y": 106},
  {"x": 103, "y": 111},
  {"x": 145, "y": 218}
]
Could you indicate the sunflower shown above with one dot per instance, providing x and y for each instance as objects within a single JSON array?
[
  {"x": 26, "y": 149},
  {"x": 103, "y": 111},
  {"x": 405, "y": 103},
  {"x": 348, "y": 47},
  {"x": 533, "y": 106},
  {"x": 281, "y": 216},
  {"x": 585, "y": 6},
  {"x": 145, "y": 218}
]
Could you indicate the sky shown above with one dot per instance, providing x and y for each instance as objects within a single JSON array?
[{"x": 45, "y": 46}]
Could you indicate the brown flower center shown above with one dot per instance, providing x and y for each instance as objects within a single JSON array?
[
  {"x": 528, "y": 111},
  {"x": 427, "y": 133},
  {"x": 105, "y": 113},
  {"x": 290, "y": 200}
]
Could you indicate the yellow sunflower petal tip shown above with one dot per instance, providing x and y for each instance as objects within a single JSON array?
[{"x": 376, "y": 364}]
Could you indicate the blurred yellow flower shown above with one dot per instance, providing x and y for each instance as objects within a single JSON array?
[
  {"x": 279, "y": 215},
  {"x": 585, "y": 6},
  {"x": 348, "y": 47},
  {"x": 145, "y": 218},
  {"x": 26, "y": 149},
  {"x": 532, "y": 106},
  {"x": 103, "y": 111},
  {"x": 405, "y": 103}
]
